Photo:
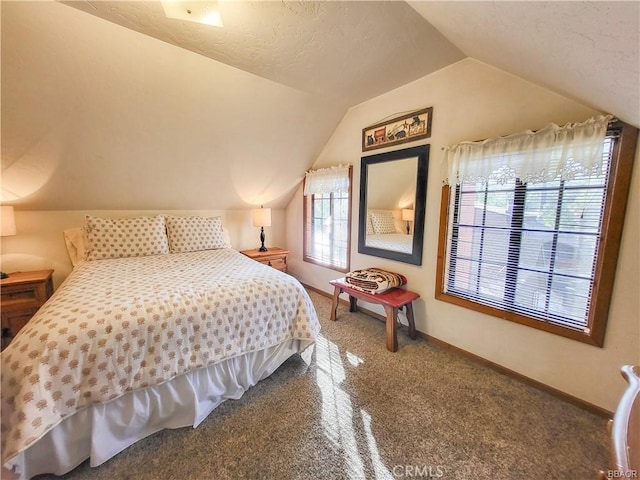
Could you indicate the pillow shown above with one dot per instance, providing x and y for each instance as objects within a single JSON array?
[
  {"x": 76, "y": 241},
  {"x": 125, "y": 237},
  {"x": 227, "y": 238},
  {"x": 190, "y": 234},
  {"x": 382, "y": 222}
]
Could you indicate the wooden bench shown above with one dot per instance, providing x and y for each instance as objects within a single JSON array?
[{"x": 391, "y": 300}]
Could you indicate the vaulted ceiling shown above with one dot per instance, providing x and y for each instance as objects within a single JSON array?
[
  {"x": 111, "y": 105},
  {"x": 586, "y": 51},
  {"x": 357, "y": 50},
  {"x": 351, "y": 51}
]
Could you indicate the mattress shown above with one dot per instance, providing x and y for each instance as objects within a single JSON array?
[
  {"x": 120, "y": 328},
  {"x": 397, "y": 242}
]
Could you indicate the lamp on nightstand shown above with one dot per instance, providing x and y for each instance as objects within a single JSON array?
[
  {"x": 7, "y": 226},
  {"x": 408, "y": 215},
  {"x": 262, "y": 218}
]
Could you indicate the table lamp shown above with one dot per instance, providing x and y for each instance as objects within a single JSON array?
[
  {"x": 408, "y": 215},
  {"x": 262, "y": 218},
  {"x": 7, "y": 226}
]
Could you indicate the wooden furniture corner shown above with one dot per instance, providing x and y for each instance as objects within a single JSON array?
[
  {"x": 23, "y": 293},
  {"x": 274, "y": 257}
]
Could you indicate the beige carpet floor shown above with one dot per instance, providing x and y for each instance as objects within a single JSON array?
[{"x": 361, "y": 412}]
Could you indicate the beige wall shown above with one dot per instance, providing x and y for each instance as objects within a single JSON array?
[
  {"x": 98, "y": 116},
  {"x": 396, "y": 194},
  {"x": 472, "y": 100},
  {"x": 39, "y": 243}
]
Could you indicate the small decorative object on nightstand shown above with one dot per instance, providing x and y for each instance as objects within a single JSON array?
[
  {"x": 275, "y": 257},
  {"x": 23, "y": 293}
]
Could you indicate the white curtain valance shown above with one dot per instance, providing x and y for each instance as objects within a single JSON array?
[
  {"x": 549, "y": 154},
  {"x": 327, "y": 180}
]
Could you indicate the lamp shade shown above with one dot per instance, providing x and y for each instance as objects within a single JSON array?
[
  {"x": 262, "y": 217},
  {"x": 8, "y": 221},
  {"x": 408, "y": 214}
]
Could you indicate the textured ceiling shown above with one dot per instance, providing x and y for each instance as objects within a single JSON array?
[
  {"x": 97, "y": 116},
  {"x": 97, "y": 113},
  {"x": 587, "y": 51},
  {"x": 352, "y": 51}
]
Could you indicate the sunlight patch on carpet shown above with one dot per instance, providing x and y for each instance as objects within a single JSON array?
[
  {"x": 380, "y": 470},
  {"x": 337, "y": 412},
  {"x": 354, "y": 359}
]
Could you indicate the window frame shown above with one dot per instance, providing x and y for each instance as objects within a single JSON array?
[
  {"x": 617, "y": 194},
  {"x": 307, "y": 219}
]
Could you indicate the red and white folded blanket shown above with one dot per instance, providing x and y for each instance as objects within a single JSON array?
[{"x": 374, "y": 280}]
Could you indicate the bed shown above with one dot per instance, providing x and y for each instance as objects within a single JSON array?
[
  {"x": 132, "y": 344},
  {"x": 384, "y": 231},
  {"x": 397, "y": 242}
]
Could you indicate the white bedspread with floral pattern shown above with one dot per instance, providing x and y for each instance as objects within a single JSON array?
[
  {"x": 398, "y": 242},
  {"x": 124, "y": 324}
]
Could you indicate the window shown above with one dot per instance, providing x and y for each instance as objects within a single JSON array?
[
  {"x": 539, "y": 252},
  {"x": 327, "y": 217}
]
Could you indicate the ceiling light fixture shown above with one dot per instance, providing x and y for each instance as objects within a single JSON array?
[{"x": 207, "y": 12}]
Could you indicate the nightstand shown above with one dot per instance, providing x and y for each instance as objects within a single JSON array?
[
  {"x": 274, "y": 257},
  {"x": 23, "y": 293}
]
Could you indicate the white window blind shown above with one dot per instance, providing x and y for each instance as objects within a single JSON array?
[
  {"x": 528, "y": 243},
  {"x": 327, "y": 217}
]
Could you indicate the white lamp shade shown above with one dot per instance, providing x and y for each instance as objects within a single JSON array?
[
  {"x": 408, "y": 215},
  {"x": 8, "y": 225},
  {"x": 262, "y": 217}
]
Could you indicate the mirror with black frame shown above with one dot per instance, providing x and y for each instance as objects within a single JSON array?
[{"x": 393, "y": 193}]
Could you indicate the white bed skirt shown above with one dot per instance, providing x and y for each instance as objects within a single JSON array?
[{"x": 103, "y": 430}]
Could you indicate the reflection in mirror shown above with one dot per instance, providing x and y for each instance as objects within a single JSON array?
[
  {"x": 392, "y": 201},
  {"x": 391, "y": 188}
]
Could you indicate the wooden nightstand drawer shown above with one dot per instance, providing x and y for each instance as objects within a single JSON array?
[
  {"x": 22, "y": 294},
  {"x": 274, "y": 257},
  {"x": 14, "y": 321},
  {"x": 277, "y": 263},
  {"x": 19, "y": 296}
]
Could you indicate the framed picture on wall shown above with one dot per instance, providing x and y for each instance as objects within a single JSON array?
[{"x": 402, "y": 129}]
